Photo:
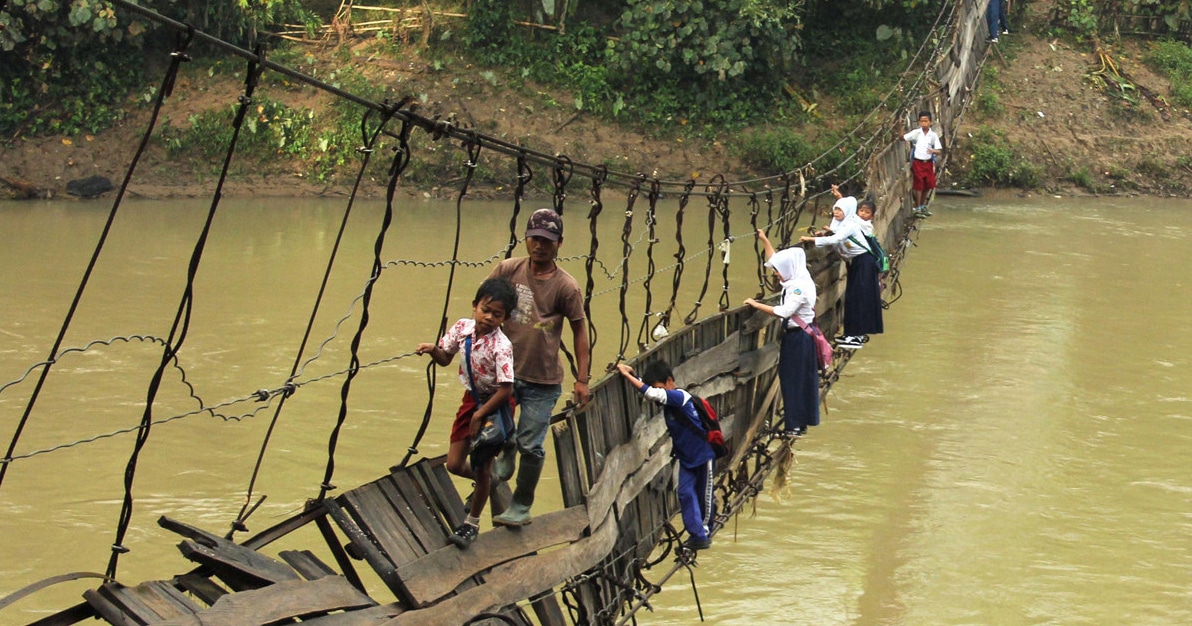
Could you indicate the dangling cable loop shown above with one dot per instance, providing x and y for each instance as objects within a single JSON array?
[
  {"x": 654, "y": 193},
  {"x": 593, "y": 215},
  {"x": 714, "y": 190},
  {"x": 401, "y": 158},
  {"x": 563, "y": 169},
  {"x": 238, "y": 524},
  {"x": 626, "y": 251},
  {"x": 680, "y": 260},
  {"x": 473, "y": 149},
  {"x": 524, "y": 176}
]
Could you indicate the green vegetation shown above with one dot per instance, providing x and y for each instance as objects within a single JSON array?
[
  {"x": 66, "y": 66},
  {"x": 1174, "y": 59},
  {"x": 996, "y": 163}
]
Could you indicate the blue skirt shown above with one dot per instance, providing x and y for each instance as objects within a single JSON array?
[
  {"x": 799, "y": 379},
  {"x": 862, "y": 297}
]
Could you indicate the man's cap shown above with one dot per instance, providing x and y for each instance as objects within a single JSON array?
[{"x": 545, "y": 223}]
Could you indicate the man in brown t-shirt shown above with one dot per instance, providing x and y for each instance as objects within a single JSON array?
[{"x": 546, "y": 296}]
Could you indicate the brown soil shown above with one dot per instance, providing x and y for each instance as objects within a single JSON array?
[{"x": 1052, "y": 114}]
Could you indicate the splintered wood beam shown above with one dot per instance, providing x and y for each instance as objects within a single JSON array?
[
  {"x": 711, "y": 362},
  {"x": 232, "y": 562},
  {"x": 282, "y": 601},
  {"x": 440, "y": 572},
  {"x": 622, "y": 463}
]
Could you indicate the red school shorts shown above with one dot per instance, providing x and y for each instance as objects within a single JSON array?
[
  {"x": 461, "y": 428},
  {"x": 923, "y": 173}
]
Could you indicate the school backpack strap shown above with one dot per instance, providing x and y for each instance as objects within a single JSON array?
[
  {"x": 875, "y": 249},
  {"x": 823, "y": 349},
  {"x": 502, "y": 411},
  {"x": 710, "y": 431}
]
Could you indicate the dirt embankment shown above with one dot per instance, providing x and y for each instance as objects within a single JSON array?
[{"x": 1080, "y": 138}]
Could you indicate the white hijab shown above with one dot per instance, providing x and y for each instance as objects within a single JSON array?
[
  {"x": 791, "y": 264},
  {"x": 848, "y": 204}
]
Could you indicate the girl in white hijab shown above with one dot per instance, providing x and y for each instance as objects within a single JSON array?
[
  {"x": 798, "y": 370},
  {"x": 863, "y": 292}
]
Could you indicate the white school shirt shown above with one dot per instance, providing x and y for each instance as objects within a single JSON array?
[
  {"x": 924, "y": 143},
  {"x": 847, "y": 248}
]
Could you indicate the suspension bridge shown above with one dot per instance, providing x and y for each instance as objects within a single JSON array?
[{"x": 605, "y": 554}]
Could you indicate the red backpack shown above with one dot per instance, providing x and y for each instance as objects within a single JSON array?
[{"x": 707, "y": 417}]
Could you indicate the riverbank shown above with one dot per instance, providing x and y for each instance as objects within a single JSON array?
[{"x": 1040, "y": 119}]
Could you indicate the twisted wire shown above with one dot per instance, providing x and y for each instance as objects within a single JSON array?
[{"x": 177, "y": 57}]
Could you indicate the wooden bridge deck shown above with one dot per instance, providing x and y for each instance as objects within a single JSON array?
[{"x": 614, "y": 466}]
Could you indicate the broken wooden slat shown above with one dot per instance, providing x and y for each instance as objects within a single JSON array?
[
  {"x": 362, "y": 541},
  {"x": 146, "y": 603},
  {"x": 441, "y": 571},
  {"x": 232, "y": 562},
  {"x": 201, "y": 587},
  {"x": 306, "y": 563},
  {"x": 570, "y": 460},
  {"x": 282, "y": 601},
  {"x": 432, "y": 522},
  {"x": 378, "y": 520},
  {"x": 425, "y": 538},
  {"x": 372, "y": 616}
]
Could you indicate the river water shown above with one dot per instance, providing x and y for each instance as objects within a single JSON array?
[{"x": 1014, "y": 450}]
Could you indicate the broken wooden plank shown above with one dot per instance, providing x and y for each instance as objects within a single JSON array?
[
  {"x": 363, "y": 542},
  {"x": 146, "y": 603},
  {"x": 441, "y": 571},
  {"x": 200, "y": 587},
  {"x": 282, "y": 601},
  {"x": 306, "y": 563},
  {"x": 522, "y": 578},
  {"x": 622, "y": 463},
  {"x": 232, "y": 562},
  {"x": 718, "y": 359},
  {"x": 372, "y": 616}
]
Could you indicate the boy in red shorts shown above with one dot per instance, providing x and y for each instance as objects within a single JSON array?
[
  {"x": 927, "y": 145},
  {"x": 487, "y": 377}
]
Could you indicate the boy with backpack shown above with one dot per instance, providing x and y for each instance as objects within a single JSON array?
[
  {"x": 689, "y": 444},
  {"x": 487, "y": 376}
]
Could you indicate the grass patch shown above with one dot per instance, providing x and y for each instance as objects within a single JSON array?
[
  {"x": 996, "y": 162},
  {"x": 1174, "y": 59}
]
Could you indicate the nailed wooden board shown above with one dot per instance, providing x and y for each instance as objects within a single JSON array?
[
  {"x": 278, "y": 602},
  {"x": 440, "y": 572}
]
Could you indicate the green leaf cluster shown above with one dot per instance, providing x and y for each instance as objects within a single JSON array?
[{"x": 1174, "y": 59}]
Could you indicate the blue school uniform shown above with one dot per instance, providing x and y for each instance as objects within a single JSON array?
[{"x": 694, "y": 454}]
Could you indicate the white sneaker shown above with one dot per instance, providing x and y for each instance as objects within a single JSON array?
[{"x": 849, "y": 343}]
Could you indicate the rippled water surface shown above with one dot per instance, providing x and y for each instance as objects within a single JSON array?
[{"x": 1016, "y": 449}]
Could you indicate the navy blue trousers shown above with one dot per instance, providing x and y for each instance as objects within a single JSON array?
[
  {"x": 862, "y": 297},
  {"x": 695, "y": 499},
  {"x": 799, "y": 378}
]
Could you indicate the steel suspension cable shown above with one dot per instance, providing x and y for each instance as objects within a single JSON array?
[
  {"x": 652, "y": 198},
  {"x": 177, "y": 57},
  {"x": 524, "y": 176},
  {"x": 626, "y": 251},
  {"x": 473, "y": 161},
  {"x": 181, "y": 325},
  {"x": 714, "y": 190},
  {"x": 366, "y": 150},
  {"x": 401, "y": 158},
  {"x": 590, "y": 285}
]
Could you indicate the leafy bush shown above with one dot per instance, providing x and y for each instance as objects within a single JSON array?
[
  {"x": 705, "y": 45},
  {"x": 1174, "y": 59},
  {"x": 995, "y": 162},
  {"x": 777, "y": 150}
]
